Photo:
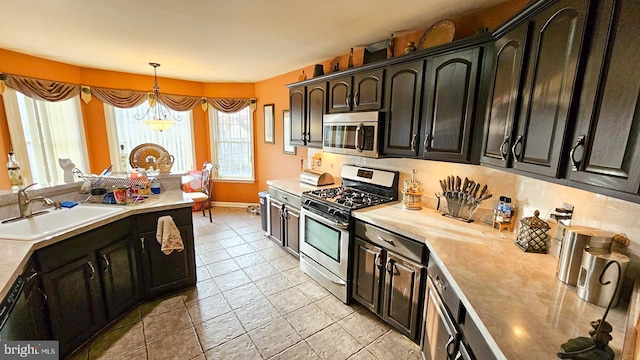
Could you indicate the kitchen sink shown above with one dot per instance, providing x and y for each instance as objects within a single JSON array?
[{"x": 54, "y": 221}]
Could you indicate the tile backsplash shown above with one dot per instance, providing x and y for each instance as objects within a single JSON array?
[{"x": 528, "y": 194}]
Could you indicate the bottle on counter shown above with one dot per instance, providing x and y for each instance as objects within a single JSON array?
[
  {"x": 506, "y": 210},
  {"x": 123, "y": 159},
  {"x": 15, "y": 173},
  {"x": 499, "y": 212}
]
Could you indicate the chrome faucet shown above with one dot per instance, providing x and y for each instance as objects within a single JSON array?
[{"x": 25, "y": 204}]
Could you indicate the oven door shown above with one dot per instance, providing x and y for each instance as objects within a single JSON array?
[
  {"x": 360, "y": 138},
  {"x": 325, "y": 241}
]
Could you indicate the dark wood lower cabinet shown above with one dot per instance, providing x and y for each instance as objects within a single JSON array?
[
  {"x": 166, "y": 273},
  {"x": 388, "y": 285},
  {"x": 119, "y": 274},
  {"x": 74, "y": 302},
  {"x": 292, "y": 227},
  {"x": 285, "y": 226},
  {"x": 366, "y": 274},
  {"x": 402, "y": 294}
]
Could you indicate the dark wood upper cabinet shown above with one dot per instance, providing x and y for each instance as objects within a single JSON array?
[
  {"x": 307, "y": 105},
  {"x": 548, "y": 93},
  {"x": 316, "y": 108},
  {"x": 297, "y": 101},
  {"x": 340, "y": 95},
  {"x": 360, "y": 92},
  {"x": 504, "y": 96},
  {"x": 606, "y": 150},
  {"x": 451, "y": 84},
  {"x": 403, "y": 94}
]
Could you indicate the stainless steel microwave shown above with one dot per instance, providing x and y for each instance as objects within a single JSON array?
[{"x": 352, "y": 133}]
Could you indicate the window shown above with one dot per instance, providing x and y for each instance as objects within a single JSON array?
[
  {"x": 124, "y": 129},
  {"x": 43, "y": 132},
  {"x": 232, "y": 143}
]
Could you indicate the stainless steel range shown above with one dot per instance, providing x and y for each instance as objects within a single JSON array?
[{"x": 326, "y": 223}]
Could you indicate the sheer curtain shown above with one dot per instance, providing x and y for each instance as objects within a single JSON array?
[
  {"x": 124, "y": 129},
  {"x": 42, "y": 132},
  {"x": 232, "y": 143}
]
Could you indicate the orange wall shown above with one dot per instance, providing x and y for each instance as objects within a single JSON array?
[{"x": 270, "y": 161}]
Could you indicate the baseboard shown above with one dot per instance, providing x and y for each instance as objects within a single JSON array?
[{"x": 233, "y": 204}]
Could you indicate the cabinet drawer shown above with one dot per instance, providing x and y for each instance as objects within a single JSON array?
[
  {"x": 443, "y": 286},
  {"x": 401, "y": 245},
  {"x": 66, "y": 251},
  {"x": 284, "y": 197},
  {"x": 149, "y": 222}
]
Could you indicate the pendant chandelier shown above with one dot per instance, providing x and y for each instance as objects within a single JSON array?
[{"x": 157, "y": 117}]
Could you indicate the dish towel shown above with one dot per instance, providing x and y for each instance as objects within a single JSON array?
[{"x": 168, "y": 235}]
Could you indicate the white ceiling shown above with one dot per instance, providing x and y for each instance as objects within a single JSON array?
[{"x": 210, "y": 41}]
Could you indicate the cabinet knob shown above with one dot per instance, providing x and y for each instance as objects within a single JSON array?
[
  {"x": 516, "y": 156},
  {"x": 503, "y": 148},
  {"x": 575, "y": 164}
]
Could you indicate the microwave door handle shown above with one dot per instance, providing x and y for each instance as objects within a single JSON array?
[{"x": 358, "y": 129}]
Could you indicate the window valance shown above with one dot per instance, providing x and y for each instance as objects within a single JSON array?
[{"x": 123, "y": 98}]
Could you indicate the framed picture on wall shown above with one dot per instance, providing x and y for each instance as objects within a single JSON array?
[
  {"x": 287, "y": 148},
  {"x": 269, "y": 124}
]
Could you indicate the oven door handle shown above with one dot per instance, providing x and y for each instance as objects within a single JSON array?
[{"x": 335, "y": 224}]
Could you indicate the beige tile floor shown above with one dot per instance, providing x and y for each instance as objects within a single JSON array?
[{"x": 251, "y": 301}]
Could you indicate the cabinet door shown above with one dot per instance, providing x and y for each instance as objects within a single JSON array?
[
  {"x": 340, "y": 95},
  {"x": 316, "y": 104},
  {"x": 292, "y": 226},
  {"x": 166, "y": 273},
  {"x": 367, "y": 90},
  {"x": 75, "y": 306},
  {"x": 367, "y": 263},
  {"x": 297, "y": 102},
  {"x": 119, "y": 273},
  {"x": 607, "y": 145},
  {"x": 403, "y": 93},
  {"x": 548, "y": 90},
  {"x": 276, "y": 209},
  {"x": 449, "y": 104},
  {"x": 401, "y": 306},
  {"x": 504, "y": 97}
]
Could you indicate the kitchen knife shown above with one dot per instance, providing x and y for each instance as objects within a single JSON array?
[
  {"x": 443, "y": 186},
  {"x": 464, "y": 185},
  {"x": 485, "y": 197},
  {"x": 484, "y": 190}
]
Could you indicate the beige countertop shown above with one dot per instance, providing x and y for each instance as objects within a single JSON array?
[
  {"x": 16, "y": 253},
  {"x": 515, "y": 297},
  {"x": 295, "y": 187}
]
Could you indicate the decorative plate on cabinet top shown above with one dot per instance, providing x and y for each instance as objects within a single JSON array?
[
  {"x": 146, "y": 155},
  {"x": 439, "y": 33}
]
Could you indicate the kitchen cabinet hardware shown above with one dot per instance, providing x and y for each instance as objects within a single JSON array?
[
  {"x": 389, "y": 266},
  {"x": 356, "y": 98},
  {"x": 378, "y": 260},
  {"x": 347, "y": 100},
  {"x": 451, "y": 346},
  {"x": 32, "y": 276},
  {"x": 504, "y": 148},
  {"x": 413, "y": 142},
  {"x": 516, "y": 156},
  {"x": 440, "y": 283},
  {"x": 575, "y": 164},
  {"x": 106, "y": 262},
  {"x": 142, "y": 244},
  {"x": 93, "y": 269},
  {"x": 44, "y": 295}
]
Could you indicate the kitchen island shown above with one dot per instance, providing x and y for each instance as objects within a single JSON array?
[
  {"x": 16, "y": 253},
  {"x": 513, "y": 297}
]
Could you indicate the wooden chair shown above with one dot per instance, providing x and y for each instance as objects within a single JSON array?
[{"x": 204, "y": 197}]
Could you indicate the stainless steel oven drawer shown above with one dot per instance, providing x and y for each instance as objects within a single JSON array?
[
  {"x": 284, "y": 197},
  {"x": 400, "y": 245}
]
